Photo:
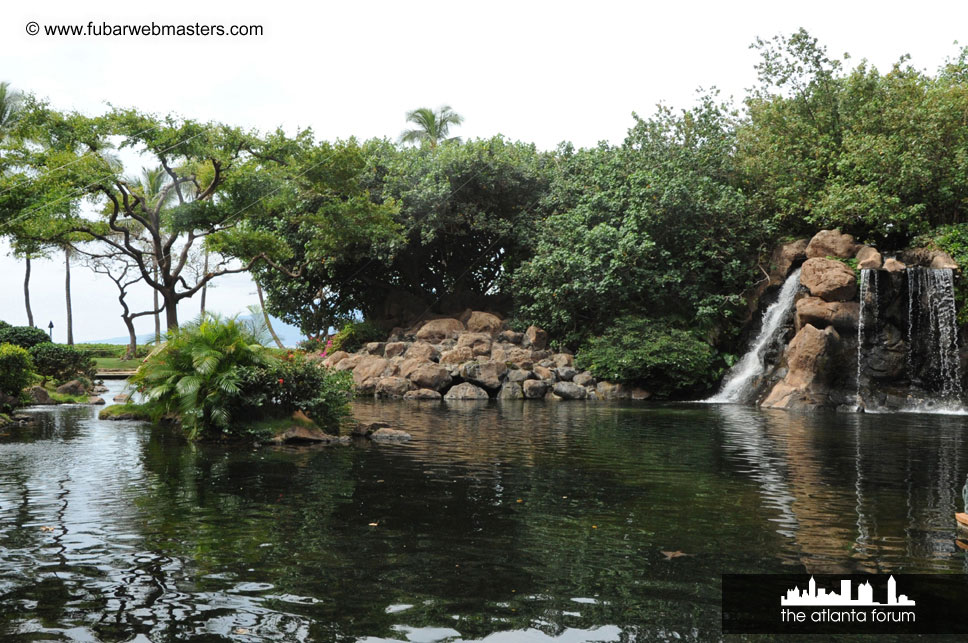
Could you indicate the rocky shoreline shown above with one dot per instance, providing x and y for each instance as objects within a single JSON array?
[{"x": 474, "y": 356}]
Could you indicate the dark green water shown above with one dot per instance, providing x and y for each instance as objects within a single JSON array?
[{"x": 504, "y": 522}]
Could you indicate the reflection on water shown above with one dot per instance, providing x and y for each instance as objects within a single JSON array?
[{"x": 504, "y": 522}]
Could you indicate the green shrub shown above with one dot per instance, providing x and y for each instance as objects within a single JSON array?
[
  {"x": 354, "y": 335},
  {"x": 23, "y": 336},
  {"x": 952, "y": 239},
  {"x": 669, "y": 361},
  {"x": 16, "y": 370},
  {"x": 113, "y": 351},
  {"x": 197, "y": 372},
  {"x": 3, "y": 324},
  {"x": 280, "y": 388},
  {"x": 62, "y": 362}
]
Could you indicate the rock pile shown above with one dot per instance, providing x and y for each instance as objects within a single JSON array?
[{"x": 474, "y": 357}]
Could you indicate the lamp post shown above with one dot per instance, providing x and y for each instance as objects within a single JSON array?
[{"x": 50, "y": 327}]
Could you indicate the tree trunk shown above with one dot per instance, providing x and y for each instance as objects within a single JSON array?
[
  {"x": 30, "y": 313},
  {"x": 67, "y": 290},
  {"x": 132, "y": 338},
  {"x": 265, "y": 315},
  {"x": 204, "y": 287},
  {"x": 171, "y": 310},
  {"x": 154, "y": 293}
]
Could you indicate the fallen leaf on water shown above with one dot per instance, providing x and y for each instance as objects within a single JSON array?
[
  {"x": 519, "y": 500},
  {"x": 674, "y": 554},
  {"x": 47, "y": 529},
  {"x": 240, "y": 630},
  {"x": 374, "y": 524}
]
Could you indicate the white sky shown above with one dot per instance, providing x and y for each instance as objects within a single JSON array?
[{"x": 535, "y": 71}]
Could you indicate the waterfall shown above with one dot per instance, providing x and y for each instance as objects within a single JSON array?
[
  {"x": 738, "y": 384},
  {"x": 864, "y": 281},
  {"x": 933, "y": 336}
]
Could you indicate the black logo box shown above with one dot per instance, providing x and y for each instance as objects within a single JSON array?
[{"x": 751, "y": 605}]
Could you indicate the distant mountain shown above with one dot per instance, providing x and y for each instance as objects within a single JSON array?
[{"x": 289, "y": 335}]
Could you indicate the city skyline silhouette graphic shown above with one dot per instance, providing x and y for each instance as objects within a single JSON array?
[{"x": 814, "y": 596}]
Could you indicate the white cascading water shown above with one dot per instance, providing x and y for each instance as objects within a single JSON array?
[{"x": 738, "y": 382}]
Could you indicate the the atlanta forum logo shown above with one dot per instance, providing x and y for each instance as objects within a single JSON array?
[{"x": 817, "y": 605}]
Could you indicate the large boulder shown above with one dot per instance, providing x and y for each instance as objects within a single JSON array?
[
  {"x": 299, "y": 434},
  {"x": 510, "y": 336},
  {"x": 479, "y": 343},
  {"x": 520, "y": 357},
  {"x": 511, "y": 391},
  {"x": 466, "y": 391},
  {"x": 74, "y": 387},
  {"x": 570, "y": 391},
  {"x": 348, "y": 363},
  {"x": 457, "y": 355},
  {"x": 613, "y": 391},
  {"x": 544, "y": 372},
  {"x": 392, "y": 386},
  {"x": 942, "y": 260},
  {"x": 928, "y": 258},
  {"x": 430, "y": 375},
  {"x": 423, "y": 351},
  {"x": 335, "y": 358},
  {"x": 831, "y": 243},
  {"x": 893, "y": 265},
  {"x": 815, "y": 311},
  {"x": 584, "y": 378},
  {"x": 375, "y": 348},
  {"x": 534, "y": 389},
  {"x": 488, "y": 374},
  {"x": 519, "y": 375},
  {"x": 563, "y": 359},
  {"x": 829, "y": 279},
  {"x": 395, "y": 349},
  {"x": 437, "y": 330},
  {"x": 565, "y": 373},
  {"x": 784, "y": 257},
  {"x": 480, "y": 322},
  {"x": 368, "y": 372},
  {"x": 808, "y": 360},
  {"x": 535, "y": 338},
  {"x": 422, "y": 394},
  {"x": 869, "y": 258},
  {"x": 39, "y": 395}
]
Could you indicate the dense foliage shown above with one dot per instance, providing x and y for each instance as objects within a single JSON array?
[
  {"x": 354, "y": 335},
  {"x": 16, "y": 370},
  {"x": 23, "y": 336},
  {"x": 217, "y": 378},
  {"x": 61, "y": 362},
  {"x": 664, "y": 359}
]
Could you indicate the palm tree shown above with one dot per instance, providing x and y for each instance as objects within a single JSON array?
[
  {"x": 431, "y": 127},
  {"x": 68, "y": 250}
]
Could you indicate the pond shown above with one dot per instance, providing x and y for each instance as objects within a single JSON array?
[{"x": 565, "y": 521}]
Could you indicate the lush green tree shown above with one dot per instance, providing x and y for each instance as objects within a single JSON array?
[
  {"x": 16, "y": 369},
  {"x": 420, "y": 230},
  {"x": 432, "y": 127},
  {"x": 657, "y": 227}
]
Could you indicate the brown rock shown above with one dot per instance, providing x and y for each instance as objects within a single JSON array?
[
  {"x": 570, "y": 391},
  {"x": 122, "y": 397},
  {"x": 479, "y": 343},
  {"x": 368, "y": 372},
  {"x": 613, "y": 391},
  {"x": 335, "y": 358},
  {"x": 563, "y": 359},
  {"x": 808, "y": 359},
  {"x": 520, "y": 357},
  {"x": 39, "y": 395},
  {"x": 500, "y": 353},
  {"x": 480, "y": 322},
  {"x": 639, "y": 393},
  {"x": 869, "y": 258},
  {"x": 466, "y": 391},
  {"x": 784, "y": 257},
  {"x": 831, "y": 243},
  {"x": 510, "y": 337},
  {"x": 584, "y": 379},
  {"x": 375, "y": 348},
  {"x": 395, "y": 349},
  {"x": 423, "y": 351},
  {"x": 392, "y": 386},
  {"x": 893, "y": 265},
  {"x": 487, "y": 374},
  {"x": 95, "y": 400},
  {"x": 829, "y": 279},
  {"x": 422, "y": 394},
  {"x": 349, "y": 362},
  {"x": 387, "y": 434},
  {"x": 534, "y": 389},
  {"x": 437, "y": 330},
  {"x": 535, "y": 338},
  {"x": 511, "y": 391},
  {"x": 519, "y": 375},
  {"x": 544, "y": 372},
  {"x": 942, "y": 260},
  {"x": 457, "y": 356},
  {"x": 430, "y": 376},
  {"x": 74, "y": 387},
  {"x": 842, "y": 315}
]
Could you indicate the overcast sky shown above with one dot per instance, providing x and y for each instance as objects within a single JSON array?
[{"x": 536, "y": 71}]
